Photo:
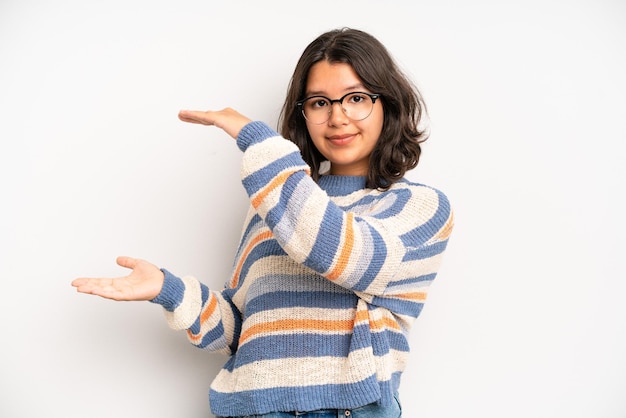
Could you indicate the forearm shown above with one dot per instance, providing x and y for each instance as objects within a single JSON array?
[
  {"x": 209, "y": 318},
  {"x": 358, "y": 252}
]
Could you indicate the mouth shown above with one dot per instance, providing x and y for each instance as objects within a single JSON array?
[{"x": 341, "y": 139}]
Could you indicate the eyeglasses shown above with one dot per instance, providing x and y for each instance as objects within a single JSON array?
[{"x": 355, "y": 105}]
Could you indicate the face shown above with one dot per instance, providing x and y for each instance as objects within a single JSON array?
[{"x": 346, "y": 143}]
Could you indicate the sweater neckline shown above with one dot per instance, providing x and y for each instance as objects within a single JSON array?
[{"x": 341, "y": 185}]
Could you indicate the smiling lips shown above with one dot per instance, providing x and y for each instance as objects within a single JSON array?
[{"x": 341, "y": 139}]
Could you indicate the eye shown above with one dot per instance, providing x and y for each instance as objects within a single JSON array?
[
  {"x": 357, "y": 98},
  {"x": 317, "y": 102}
]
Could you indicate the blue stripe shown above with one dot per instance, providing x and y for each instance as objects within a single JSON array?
[
  {"x": 310, "y": 398},
  {"x": 217, "y": 333},
  {"x": 400, "y": 306},
  {"x": 423, "y": 252},
  {"x": 285, "y": 226},
  {"x": 412, "y": 280},
  {"x": 400, "y": 198},
  {"x": 254, "y": 132},
  {"x": 227, "y": 294},
  {"x": 172, "y": 292},
  {"x": 253, "y": 224},
  {"x": 324, "y": 300},
  {"x": 326, "y": 245},
  {"x": 376, "y": 264},
  {"x": 422, "y": 233},
  {"x": 214, "y": 335},
  {"x": 259, "y": 252},
  {"x": 261, "y": 178},
  {"x": 383, "y": 342},
  {"x": 275, "y": 215},
  {"x": 299, "y": 345},
  {"x": 204, "y": 297}
]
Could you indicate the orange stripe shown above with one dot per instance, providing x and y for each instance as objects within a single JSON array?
[
  {"x": 415, "y": 296},
  {"x": 362, "y": 316},
  {"x": 296, "y": 324},
  {"x": 384, "y": 323},
  {"x": 318, "y": 325},
  {"x": 204, "y": 315},
  {"x": 208, "y": 311},
  {"x": 263, "y": 236},
  {"x": 344, "y": 257},
  {"x": 276, "y": 182}
]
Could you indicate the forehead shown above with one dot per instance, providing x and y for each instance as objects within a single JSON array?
[{"x": 332, "y": 79}]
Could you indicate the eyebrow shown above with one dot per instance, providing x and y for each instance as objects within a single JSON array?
[{"x": 355, "y": 87}]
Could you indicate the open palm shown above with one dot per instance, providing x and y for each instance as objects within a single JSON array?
[{"x": 143, "y": 283}]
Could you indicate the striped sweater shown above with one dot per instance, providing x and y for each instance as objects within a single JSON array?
[{"x": 326, "y": 282}]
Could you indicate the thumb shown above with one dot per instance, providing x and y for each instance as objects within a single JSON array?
[{"x": 127, "y": 262}]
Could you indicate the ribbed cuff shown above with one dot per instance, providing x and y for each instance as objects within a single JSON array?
[
  {"x": 172, "y": 292},
  {"x": 252, "y": 133}
]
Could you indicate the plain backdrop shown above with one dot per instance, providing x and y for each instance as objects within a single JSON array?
[{"x": 527, "y": 106}]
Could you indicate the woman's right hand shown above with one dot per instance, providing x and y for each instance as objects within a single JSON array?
[{"x": 143, "y": 283}]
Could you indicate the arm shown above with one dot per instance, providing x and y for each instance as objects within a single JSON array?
[
  {"x": 210, "y": 318},
  {"x": 363, "y": 252},
  {"x": 146, "y": 280},
  {"x": 362, "y": 249}
]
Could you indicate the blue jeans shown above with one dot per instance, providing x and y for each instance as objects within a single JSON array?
[{"x": 367, "y": 411}]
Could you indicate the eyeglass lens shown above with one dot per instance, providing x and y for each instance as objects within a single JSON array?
[{"x": 356, "y": 106}]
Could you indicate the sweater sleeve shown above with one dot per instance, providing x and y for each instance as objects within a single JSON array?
[
  {"x": 363, "y": 250},
  {"x": 211, "y": 319}
]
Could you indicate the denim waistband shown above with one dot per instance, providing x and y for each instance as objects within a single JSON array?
[
  {"x": 321, "y": 413},
  {"x": 310, "y": 414}
]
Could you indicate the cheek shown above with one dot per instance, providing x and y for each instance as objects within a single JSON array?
[
  {"x": 375, "y": 126},
  {"x": 316, "y": 134},
  {"x": 380, "y": 120}
]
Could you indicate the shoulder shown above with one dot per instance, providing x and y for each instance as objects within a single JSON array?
[
  {"x": 420, "y": 205},
  {"x": 418, "y": 194}
]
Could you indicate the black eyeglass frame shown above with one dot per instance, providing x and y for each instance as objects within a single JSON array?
[{"x": 373, "y": 96}]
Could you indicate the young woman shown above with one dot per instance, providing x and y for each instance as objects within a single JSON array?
[{"x": 338, "y": 248}]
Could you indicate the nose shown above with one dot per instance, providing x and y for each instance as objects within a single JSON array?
[{"x": 337, "y": 117}]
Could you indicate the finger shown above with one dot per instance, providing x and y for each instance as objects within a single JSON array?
[
  {"x": 100, "y": 287},
  {"x": 127, "y": 262},
  {"x": 79, "y": 282},
  {"x": 196, "y": 116},
  {"x": 83, "y": 283}
]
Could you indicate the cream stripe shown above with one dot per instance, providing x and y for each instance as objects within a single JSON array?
[
  {"x": 294, "y": 372},
  {"x": 288, "y": 321},
  {"x": 393, "y": 361},
  {"x": 309, "y": 219},
  {"x": 302, "y": 314},
  {"x": 424, "y": 266},
  {"x": 264, "y": 267},
  {"x": 258, "y": 155}
]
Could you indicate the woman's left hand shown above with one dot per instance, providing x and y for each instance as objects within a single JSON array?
[{"x": 229, "y": 120}]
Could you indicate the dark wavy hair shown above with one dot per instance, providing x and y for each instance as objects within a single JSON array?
[{"x": 398, "y": 148}]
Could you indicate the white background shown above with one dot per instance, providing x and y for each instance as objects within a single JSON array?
[{"x": 527, "y": 103}]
